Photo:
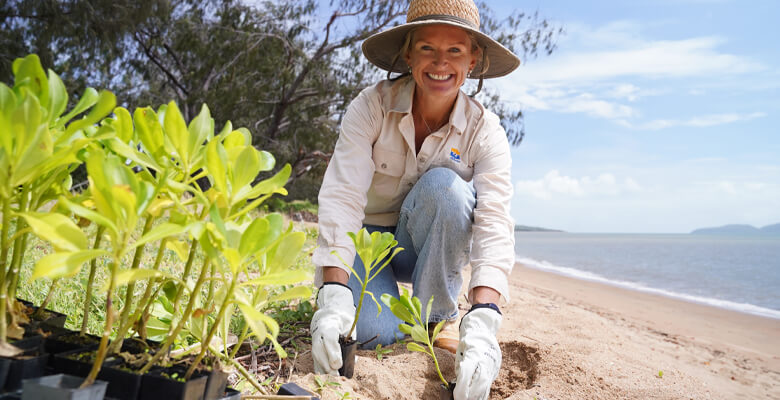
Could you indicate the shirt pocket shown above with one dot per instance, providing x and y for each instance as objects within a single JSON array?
[{"x": 389, "y": 168}]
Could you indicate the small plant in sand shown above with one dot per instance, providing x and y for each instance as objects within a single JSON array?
[
  {"x": 375, "y": 250},
  {"x": 409, "y": 310},
  {"x": 381, "y": 352}
]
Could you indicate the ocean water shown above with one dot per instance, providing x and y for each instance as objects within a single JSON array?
[{"x": 732, "y": 272}]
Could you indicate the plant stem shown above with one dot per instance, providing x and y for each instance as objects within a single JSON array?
[
  {"x": 102, "y": 349},
  {"x": 3, "y": 265},
  {"x": 213, "y": 330},
  {"x": 184, "y": 317},
  {"x": 243, "y": 372},
  {"x": 41, "y": 309},
  {"x": 210, "y": 295},
  {"x": 20, "y": 243},
  {"x": 90, "y": 281},
  {"x": 359, "y": 306},
  {"x": 244, "y": 334},
  {"x": 129, "y": 292},
  {"x": 186, "y": 273},
  {"x": 436, "y": 363},
  {"x": 15, "y": 264},
  {"x": 147, "y": 298}
]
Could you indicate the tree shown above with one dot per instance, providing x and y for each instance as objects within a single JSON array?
[{"x": 281, "y": 68}]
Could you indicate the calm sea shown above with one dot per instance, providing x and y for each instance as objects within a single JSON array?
[{"x": 737, "y": 273}]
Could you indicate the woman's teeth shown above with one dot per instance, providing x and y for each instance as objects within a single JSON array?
[{"x": 439, "y": 77}]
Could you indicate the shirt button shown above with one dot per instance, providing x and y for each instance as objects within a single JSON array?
[
  {"x": 411, "y": 184},
  {"x": 384, "y": 166},
  {"x": 422, "y": 160}
]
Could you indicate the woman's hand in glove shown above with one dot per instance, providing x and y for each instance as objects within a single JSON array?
[
  {"x": 333, "y": 318},
  {"x": 479, "y": 357}
]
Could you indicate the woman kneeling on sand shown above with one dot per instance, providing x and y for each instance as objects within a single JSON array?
[{"x": 419, "y": 158}]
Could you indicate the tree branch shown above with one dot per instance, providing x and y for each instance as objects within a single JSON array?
[{"x": 182, "y": 91}]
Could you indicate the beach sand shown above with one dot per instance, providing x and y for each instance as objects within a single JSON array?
[{"x": 565, "y": 338}]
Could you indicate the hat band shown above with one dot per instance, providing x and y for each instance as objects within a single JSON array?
[{"x": 448, "y": 18}]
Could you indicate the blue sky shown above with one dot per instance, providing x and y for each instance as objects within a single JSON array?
[{"x": 651, "y": 116}]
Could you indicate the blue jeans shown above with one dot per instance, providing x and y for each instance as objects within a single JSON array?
[{"x": 434, "y": 229}]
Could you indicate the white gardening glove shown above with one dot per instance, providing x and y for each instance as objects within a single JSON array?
[
  {"x": 334, "y": 317},
  {"x": 479, "y": 356}
]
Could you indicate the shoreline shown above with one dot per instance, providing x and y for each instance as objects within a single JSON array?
[
  {"x": 564, "y": 338},
  {"x": 616, "y": 341},
  {"x": 728, "y": 305},
  {"x": 757, "y": 334}
]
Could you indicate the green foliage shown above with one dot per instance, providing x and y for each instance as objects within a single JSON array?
[
  {"x": 142, "y": 170},
  {"x": 415, "y": 323},
  {"x": 375, "y": 250},
  {"x": 323, "y": 384},
  {"x": 380, "y": 352},
  {"x": 39, "y": 146}
]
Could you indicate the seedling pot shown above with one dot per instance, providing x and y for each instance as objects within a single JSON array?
[
  {"x": 215, "y": 386},
  {"x": 156, "y": 385},
  {"x": 68, "y": 362},
  {"x": 51, "y": 318},
  {"x": 5, "y": 365},
  {"x": 30, "y": 364},
  {"x": 62, "y": 387},
  {"x": 123, "y": 384},
  {"x": 62, "y": 340},
  {"x": 446, "y": 393},
  {"x": 11, "y": 396},
  {"x": 137, "y": 346},
  {"x": 292, "y": 389},
  {"x": 231, "y": 394},
  {"x": 348, "y": 349}
]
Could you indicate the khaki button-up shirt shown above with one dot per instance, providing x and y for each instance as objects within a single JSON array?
[{"x": 375, "y": 165}]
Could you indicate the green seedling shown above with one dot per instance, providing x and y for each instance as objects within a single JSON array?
[
  {"x": 323, "y": 384},
  {"x": 380, "y": 352},
  {"x": 409, "y": 310},
  {"x": 375, "y": 250},
  {"x": 40, "y": 145},
  {"x": 660, "y": 374},
  {"x": 344, "y": 396}
]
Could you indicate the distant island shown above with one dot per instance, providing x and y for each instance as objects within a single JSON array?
[
  {"x": 524, "y": 228},
  {"x": 739, "y": 229}
]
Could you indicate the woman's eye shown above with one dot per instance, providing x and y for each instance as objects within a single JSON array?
[
  {"x": 455, "y": 50},
  {"x": 425, "y": 47}
]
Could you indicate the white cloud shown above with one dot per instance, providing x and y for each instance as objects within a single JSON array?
[
  {"x": 573, "y": 101},
  {"x": 693, "y": 57},
  {"x": 738, "y": 188},
  {"x": 625, "y": 91},
  {"x": 694, "y": 122},
  {"x": 555, "y": 184},
  {"x": 599, "y": 71}
]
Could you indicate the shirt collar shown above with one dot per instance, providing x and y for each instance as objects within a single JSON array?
[{"x": 399, "y": 99}]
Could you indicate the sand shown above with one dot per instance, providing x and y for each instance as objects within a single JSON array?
[{"x": 565, "y": 338}]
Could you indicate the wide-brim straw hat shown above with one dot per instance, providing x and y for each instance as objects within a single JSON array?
[{"x": 382, "y": 48}]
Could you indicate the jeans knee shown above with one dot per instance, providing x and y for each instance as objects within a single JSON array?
[{"x": 443, "y": 188}]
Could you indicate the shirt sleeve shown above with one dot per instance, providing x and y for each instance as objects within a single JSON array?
[
  {"x": 343, "y": 194},
  {"x": 493, "y": 243}
]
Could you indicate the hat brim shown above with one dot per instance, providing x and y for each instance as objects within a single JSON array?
[{"x": 380, "y": 49}]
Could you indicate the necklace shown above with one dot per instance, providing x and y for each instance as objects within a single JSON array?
[{"x": 426, "y": 125}]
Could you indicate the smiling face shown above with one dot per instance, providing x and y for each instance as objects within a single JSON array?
[{"x": 440, "y": 57}]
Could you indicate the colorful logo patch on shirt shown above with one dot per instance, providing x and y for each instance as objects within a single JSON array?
[{"x": 454, "y": 155}]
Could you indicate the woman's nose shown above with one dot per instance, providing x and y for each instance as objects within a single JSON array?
[{"x": 440, "y": 57}]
